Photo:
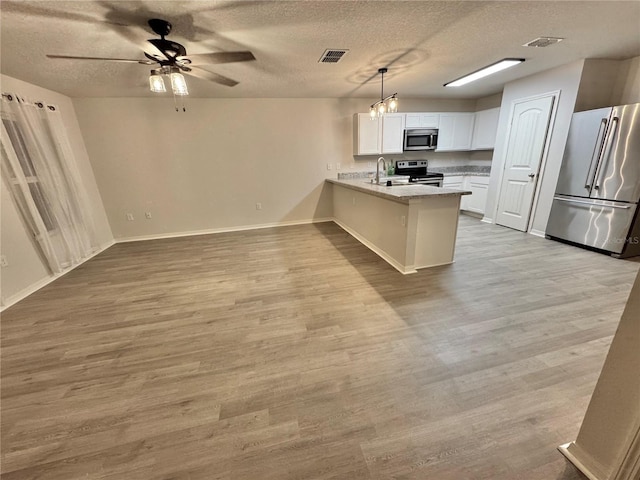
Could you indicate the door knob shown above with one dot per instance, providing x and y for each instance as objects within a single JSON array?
[{"x": 531, "y": 175}]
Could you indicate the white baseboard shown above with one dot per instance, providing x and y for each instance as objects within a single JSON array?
[
  {"x": 487, "y": 220},
  {"x": 210, "y": 231},
  {"x": 381, "y": 253},
  {"x": 538, "y": 233},
  {"x": 24, "y": 293},
  {"x": 582, "y": 461}
]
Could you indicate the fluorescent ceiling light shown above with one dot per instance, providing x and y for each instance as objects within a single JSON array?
[{"x": 483, "y": 72}]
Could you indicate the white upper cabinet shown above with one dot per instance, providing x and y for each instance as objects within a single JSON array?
[
  {"x": 422, "y": 120},
  {"x": 366, "y": 135},
  {"x": 381, "y": 135},
  {"x": 485, "y": 129},
  {"x": 455, "y": 131},
  {"x": 393, "y": 125}
]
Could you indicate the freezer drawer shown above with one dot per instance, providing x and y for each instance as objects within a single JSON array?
[{"x": 593, "y": 223}]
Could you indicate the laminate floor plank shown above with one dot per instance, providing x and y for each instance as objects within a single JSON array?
[{"x": 296, "y": 353}]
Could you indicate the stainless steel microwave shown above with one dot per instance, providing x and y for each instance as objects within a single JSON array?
[{"x": 420, "y": 139}]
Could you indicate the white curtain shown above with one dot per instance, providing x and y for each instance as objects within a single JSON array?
[{"x": 40, "y": 169}]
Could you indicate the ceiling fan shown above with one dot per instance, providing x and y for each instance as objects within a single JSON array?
[{"x": 174, "y": 56}]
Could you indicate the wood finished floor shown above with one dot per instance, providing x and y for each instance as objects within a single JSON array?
[{"x": 296, "y": 353}]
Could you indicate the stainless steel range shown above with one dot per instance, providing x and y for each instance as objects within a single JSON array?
[{"x": 417, "y": 171}]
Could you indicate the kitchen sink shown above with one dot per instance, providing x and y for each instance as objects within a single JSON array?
[{"x": 399, "y": 180}]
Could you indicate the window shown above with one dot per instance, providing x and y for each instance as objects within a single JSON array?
[
  {"x": 40, "y": 168},
  {"x": 37, "y": 193}
]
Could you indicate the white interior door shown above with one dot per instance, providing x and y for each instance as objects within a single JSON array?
[{"x": 525, "y": 147}]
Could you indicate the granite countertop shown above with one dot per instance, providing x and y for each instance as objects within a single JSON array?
[
  {"x": 399, "y": 193},
  {"x": 473, "y": 170}
]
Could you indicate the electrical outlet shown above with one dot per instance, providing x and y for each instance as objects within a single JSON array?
[
  {"x": 147, "y": 215},
  {"x": 403, "y": 220},
  {"x": 329, "y": 166},
  {"x": 337, "y": 166},
  {"x": 130, "y": 217},
  {"x": 369, "y": 164},
  {"x": 258, "y": 206},
  {"x": 3, "y": 261}
]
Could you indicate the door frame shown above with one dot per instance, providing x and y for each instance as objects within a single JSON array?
[{"x": 555, "y": 94}]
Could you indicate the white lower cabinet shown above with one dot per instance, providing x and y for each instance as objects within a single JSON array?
[
  {"x": 453, "y": 182},
  {"x": 478, "y": 185}
]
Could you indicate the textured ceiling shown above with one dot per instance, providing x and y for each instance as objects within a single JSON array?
[{"x": 423, "y": 43}]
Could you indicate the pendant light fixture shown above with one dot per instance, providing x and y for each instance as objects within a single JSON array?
[{"x": 387, "y": 104}]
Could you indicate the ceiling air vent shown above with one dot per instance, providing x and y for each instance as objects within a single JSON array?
[
  {"x": 543, "y": 42},
  {"x": 332, "y": 55}
]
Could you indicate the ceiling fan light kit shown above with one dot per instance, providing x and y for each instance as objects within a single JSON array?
[
  {"x": 173, "y": 62},
  {"x": 178, "y": 83},
  {"x": 388, "y": 104}
]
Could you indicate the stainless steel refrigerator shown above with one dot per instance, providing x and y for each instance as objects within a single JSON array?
[{"x": 598, "y": 190}]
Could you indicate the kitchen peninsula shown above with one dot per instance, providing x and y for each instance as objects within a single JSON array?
[{"x": 409, "y": 226}]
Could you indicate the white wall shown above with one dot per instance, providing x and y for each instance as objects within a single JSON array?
[
  {"x": 26, "y": 270},
  {"x": 627, "y": 88},
  {"x": 565, "y": 78},
  {"x": 205, "y": 169},
  {"x": 608, "y": 82},
  {"x": 596, "y": 89},
  {"x": 613, "y": 415}
]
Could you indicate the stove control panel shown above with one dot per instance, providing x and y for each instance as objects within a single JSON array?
[{"x": 412, "y": 164}]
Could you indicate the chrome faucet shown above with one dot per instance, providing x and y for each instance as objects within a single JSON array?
[{"x": 384, "y": 165}]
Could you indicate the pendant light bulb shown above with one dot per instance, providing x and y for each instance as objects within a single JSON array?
[
  {"x": 381, "y": 109},
  {"x": 393, "y": 104},
  {"x": 372, "y": 113}
]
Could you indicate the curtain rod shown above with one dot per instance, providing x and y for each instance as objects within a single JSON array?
[{"x": 9, "y": 97}]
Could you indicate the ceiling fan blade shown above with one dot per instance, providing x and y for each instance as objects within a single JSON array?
[
  {"x": 220, "y": 57},
  {"x": 63, "y": 14},
  {"x": 126, "y": 60},
  {"x": 212, "y": 77}
]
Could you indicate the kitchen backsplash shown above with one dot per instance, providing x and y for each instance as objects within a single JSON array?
[
  {"x": 483, "y": 170},
  {"x": 463, "y": 170}
]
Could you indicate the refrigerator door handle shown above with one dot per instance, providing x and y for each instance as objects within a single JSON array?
[
  {"x": 597, "y": 149},
  {"x": 592, "y": 203},
  {"x": 606, "y": 153}
]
